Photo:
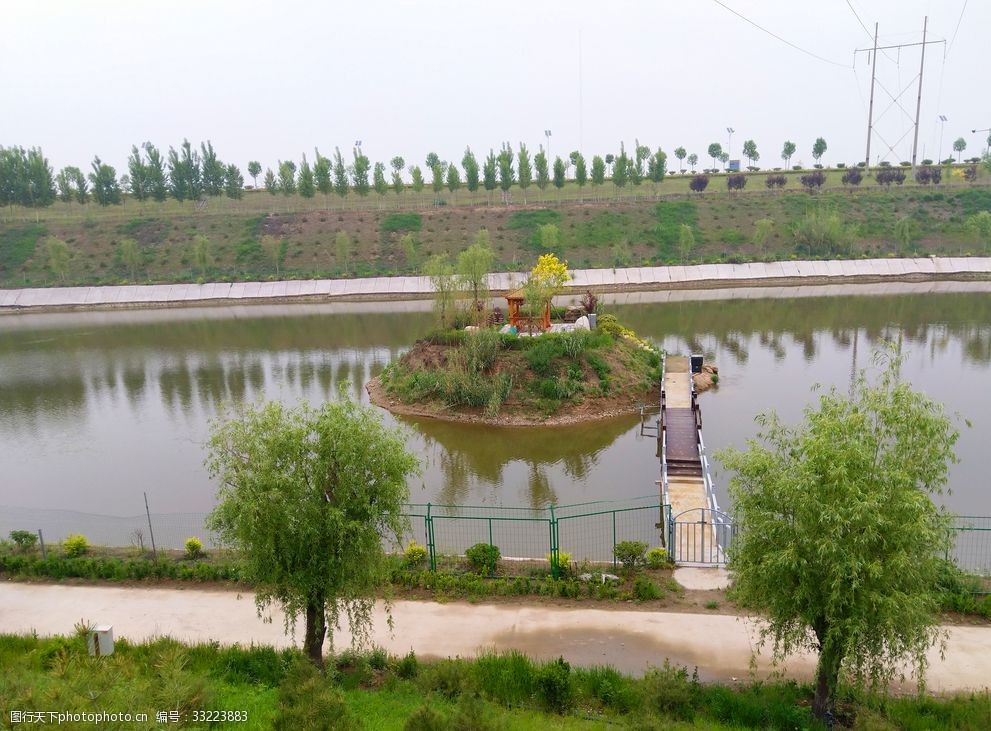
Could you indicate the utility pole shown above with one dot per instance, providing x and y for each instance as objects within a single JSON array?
[
  {"x": 870, "y": 110},
  {"x": 918, "y": 102}
]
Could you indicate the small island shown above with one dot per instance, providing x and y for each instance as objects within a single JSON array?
[{"x": 528, "y": 371}]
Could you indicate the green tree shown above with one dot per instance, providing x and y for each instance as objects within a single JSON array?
[
  {"x": 959, "y": 145},
  {"x": 598, "y": 170},
  {"x": 136, "y": 171},
  {"x": 686, "y": 242},
  {"x": 157, "y": 181},
  {"x": 610, "y": 159},
  {"x": 906, "y": 231},
  {"x": 106, "y": 190},
  {"x": 64, "y": 182},
  {"x": 410, "y": 247},
  {"x": 234, "y": 182},
  {"x": 322, "y": 174},
  {"x": 621, "y": 168},
  {"x": 254, "y": 170},
  {"x": 787, "y": 150},
  {"x": 306, "y": 497},
  {"x": 657, "y": 167},
  {"x": 474, "y": 265},
  {"x": 344, "y": 247},
  {"x": 453, "y": 178},
  {"x": 397, "y": 163},
  {"x": 715, "y": 152},
  {"x": 130, "y": 255},
  {"x": 59, "y": 257},
  {"x": 693, "y": 160},
  {"x": 979, "y": 226},
  {"x": 275, "y": 248},
  {"x": 507, "y": 176},
  {"x": 581, "y": 175},
  {"x": 359, "y": 170},
  {"x": 432, "y": 159},
  {"x": 470, "y": 163},
  {"x": 762, "y": 231},
  {"x": 543, "y": 177},
  {"x": 341, "y": 182},
  {"x": 416, "y": 175},
  {"x": 724, "y": 158},
  {"x": 307, "y": 184},
  {"x": 840, "y": 546},
  {"x": 489, "y": 174},
  {"x": 523, "y": 171},
  {"x": 641, "y": 153},
  {"x": 818, "y": 149},
  {"x": 271, "y": 185},
  {"x": 287, "y": 177},
  {"x": 442, "y": 278},
  {"x": 750, "y": 151},
  {"x": 201, "y": 253},
  {"x": 213, "y": 169},
  {"x": 437, "y": 177},
  {"x": 82, "y": 186},
  {"x": 379, "y": 182},
  {"x": 680, "y": 153},
  {"x": 559, "y": 174}
]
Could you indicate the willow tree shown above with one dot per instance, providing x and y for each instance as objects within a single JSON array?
[
  {"x": 840, "y": 546},
  {"x": 474, "y": 265},
  {"x": 444, "y": 281},
  {"x": 306, "y": 496}
]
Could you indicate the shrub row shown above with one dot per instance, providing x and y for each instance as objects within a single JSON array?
[{"x": 114, "y": 569}]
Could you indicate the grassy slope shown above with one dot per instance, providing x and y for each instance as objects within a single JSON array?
[
  {"x": 496, "y": 691},
  {"x": 630, "y": 230}
]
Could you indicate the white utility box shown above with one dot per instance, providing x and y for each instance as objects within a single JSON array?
[{"x": 101, "y": 640}]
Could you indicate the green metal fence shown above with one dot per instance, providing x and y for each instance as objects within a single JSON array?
[
  {"x": 972, "y": 544},
  {"x": 584, "y": 531}
]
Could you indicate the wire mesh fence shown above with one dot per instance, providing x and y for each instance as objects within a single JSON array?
[{"x": 586, "y": 531}]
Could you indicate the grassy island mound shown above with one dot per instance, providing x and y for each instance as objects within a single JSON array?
[{"x": 490, "y": 377}]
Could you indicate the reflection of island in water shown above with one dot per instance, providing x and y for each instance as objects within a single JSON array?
[{"x": 480, "y": 452}]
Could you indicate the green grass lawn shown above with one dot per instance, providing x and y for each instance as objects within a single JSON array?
[{"x": 281, "y": 690}]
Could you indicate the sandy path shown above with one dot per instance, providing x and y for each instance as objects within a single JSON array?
[{"x": 719, "y": 645}]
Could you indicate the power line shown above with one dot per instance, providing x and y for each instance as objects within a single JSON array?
[
  {"x": 862, "y": 25},
  {"x": 959, "y": 20},
  {"x": 775, "y": 35}
]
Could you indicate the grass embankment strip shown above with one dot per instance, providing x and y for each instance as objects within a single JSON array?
[
  {"x": 279, "y": 689},
  {"x": 606, "y": 233}
]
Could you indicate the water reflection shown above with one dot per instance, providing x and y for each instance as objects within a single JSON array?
[{"x": 96, "y": 408}]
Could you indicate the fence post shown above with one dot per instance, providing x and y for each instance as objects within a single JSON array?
[
  {"x": 491, "y": 561},
  {"x": 44, "y": 551},
  {"x": 614, "y": 540},
  {"x": 154, "y": 551},
  {"x": 555, "y": 570},
  {"x": 430, "y": 539}
]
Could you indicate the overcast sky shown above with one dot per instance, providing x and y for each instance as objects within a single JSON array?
[{"x": 270, "y": 80}]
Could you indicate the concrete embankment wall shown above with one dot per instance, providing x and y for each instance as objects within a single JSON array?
[{"x": 638, "y": 278}]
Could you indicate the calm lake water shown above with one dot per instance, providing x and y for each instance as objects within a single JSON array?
[{"x": 98, "y": 407}]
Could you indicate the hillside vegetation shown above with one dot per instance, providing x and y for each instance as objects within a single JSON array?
[{"x": 172, "y": 242}]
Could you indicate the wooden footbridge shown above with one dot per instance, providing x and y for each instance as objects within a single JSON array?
[{"x": 697, "y": 532}]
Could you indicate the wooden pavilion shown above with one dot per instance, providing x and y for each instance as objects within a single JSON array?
[{"x": 523, "y": 322}]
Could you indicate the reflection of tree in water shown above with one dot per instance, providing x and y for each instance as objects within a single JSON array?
[{"x": 480, "y": 452}]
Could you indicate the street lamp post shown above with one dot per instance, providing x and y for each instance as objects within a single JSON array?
[
  {"x": 547, "y": 134},
  {"x": 987, "y": 142},
  {"x": 729, "y": 145},
  {"x": 942, "y": 125}
]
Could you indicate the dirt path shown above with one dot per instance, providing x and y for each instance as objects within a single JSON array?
[{"x": 720, "y": 646}]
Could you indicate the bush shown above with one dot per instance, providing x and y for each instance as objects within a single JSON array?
[
  {"x": 813, "y": 181},
  {"x": 194, "y": 547},
  {"x": 630, "y": 553},
  {"x": 644, "y": 590},
  {"x": 670, "y": 692},
  {"x": 575, "y": 342},
  {"x": 823, "y": 233},
  {"x": 483, "y": 557},
  {"x": 481, "y": 348},
  {"x": 75, "y": 545},
  {"x": 736, "y": 182},
  {"x": 970, "y": 174},
  {"x": 887, "y": 176},
  {"x": 306, "y": 700},
  {"x": 24, "y": 540},
  {"x": 775, "y": 181},
  {"x": 554, "y": 685},
  {"x": 401, "y": 222},
  {"x": 589, "y": 301},
  {"x": 425, "y": 718},
  {"x": 563, "y": 562},
  {"x": 408, "y": 666},
  {"x": 657, "y": 558},
  {"x": 698, "y": 183},
  {"x": 853, "y": 176},
  {"x": 415, "y": 554}
]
